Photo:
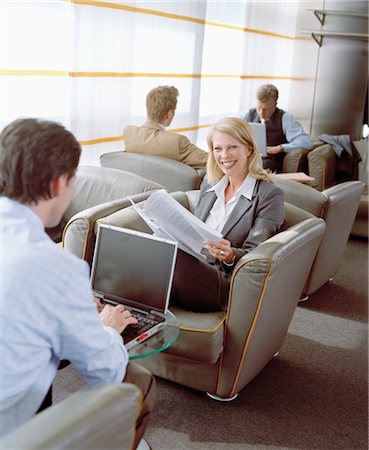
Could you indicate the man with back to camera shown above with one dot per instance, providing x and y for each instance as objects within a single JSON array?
[
  {"x": 284, "y": 133},
  {"x": 152, "y": 138},
  {"x": 47, "y": 310}
]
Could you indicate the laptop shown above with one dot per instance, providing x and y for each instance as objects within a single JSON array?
[
  {"x": 260, "y": 136},
  {"x": 136, "y": 270}
]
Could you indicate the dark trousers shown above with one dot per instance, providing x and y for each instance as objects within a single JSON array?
[
  {"x": 142, "y": 378},
  {"x": 198, "y": 285},
  {"x": 274, "y": 162}
]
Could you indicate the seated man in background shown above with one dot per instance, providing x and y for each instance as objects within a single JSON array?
[
  {"x": 284, "y": 133},
  {"x": 152, "y": 138},
  {"x": 47, "y": 311}
]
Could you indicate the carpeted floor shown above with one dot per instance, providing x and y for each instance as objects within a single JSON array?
[{"x": 314, "y": 395}]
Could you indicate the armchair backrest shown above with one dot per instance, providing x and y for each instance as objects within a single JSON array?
[
  {"x": 337, "y": 206},
  {"x": 171, "y": 174},
  {"x": 96, "y": 417},
  {"x": 99, "y": 191}
]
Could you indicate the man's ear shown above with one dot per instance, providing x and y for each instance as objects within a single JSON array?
[{"x": 57, "y": 186}]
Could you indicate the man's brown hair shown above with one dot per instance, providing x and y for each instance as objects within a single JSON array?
[
  {"x": 33, "y": 153},
  {"x": 159, "y": 101}
]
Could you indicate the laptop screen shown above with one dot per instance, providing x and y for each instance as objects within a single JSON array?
[
  {"x": 133, "y": 268},
  {"x": 260, "y": 136}
]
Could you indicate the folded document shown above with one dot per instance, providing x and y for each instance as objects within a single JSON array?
[{"x": 170, "y": 220}]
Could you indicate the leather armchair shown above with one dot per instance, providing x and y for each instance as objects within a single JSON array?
[
  {"x": 171, "y": 174},
  {"x": 322, "y": 163},
  {"x": 97, "y": 417},
  {"x": 221, "y": 352},
  {"x": 98, "y": 191},
  {"x": 337, "y": 206},
  {"x": 297, "y": 160}
]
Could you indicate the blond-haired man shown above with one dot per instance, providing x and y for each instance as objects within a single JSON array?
[{"x": 152, "y": 138}]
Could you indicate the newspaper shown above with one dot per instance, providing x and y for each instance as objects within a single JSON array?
[{"x": 170, "y": 220}]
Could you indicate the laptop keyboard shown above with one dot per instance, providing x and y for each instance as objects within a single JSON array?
[{"x": 144, "y": 323}]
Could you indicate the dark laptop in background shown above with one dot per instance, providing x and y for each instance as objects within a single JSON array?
[
  {"x": 260, "y": 136},
  {"x": 136, "y": 270}
]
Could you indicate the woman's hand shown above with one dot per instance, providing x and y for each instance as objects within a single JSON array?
[
  {"x": 117, "y": 317},
  {"x": 221, "y": 250}
]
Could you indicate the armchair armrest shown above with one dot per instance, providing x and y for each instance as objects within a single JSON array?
[
  {"x": 322, "y": 166},
  {"x": 101, "y": 416},
  {"x": 79, "y": 233},
  {"x": 266, "y": 286},
  {"x": 295, "y": 161}
]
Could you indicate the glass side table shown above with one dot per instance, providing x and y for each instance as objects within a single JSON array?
[{"x": 159, "y": 341}]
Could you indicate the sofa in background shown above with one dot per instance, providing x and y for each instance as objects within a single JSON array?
[
  {"x": 99, "y": 191},
  {"x": 221, "y": 352},
  {"x": 323, "y": 166},
  {"x": 173, "y": 175},
  {"x": 94, "y": 418},
  {"x": 337, "y": 205}
]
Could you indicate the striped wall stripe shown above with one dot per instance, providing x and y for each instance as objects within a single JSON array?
[
  {"x": 120, "y": 138},
  {"x": 179, "y": 17},
  {"x": 62, "y": 73}
]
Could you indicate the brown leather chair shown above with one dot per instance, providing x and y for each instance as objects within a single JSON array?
[
  {"x": 221, "y": 352},
  {"x": 297, "y": 160}
]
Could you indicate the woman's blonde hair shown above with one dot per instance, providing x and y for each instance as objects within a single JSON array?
[{"x": 243, "y": 133}]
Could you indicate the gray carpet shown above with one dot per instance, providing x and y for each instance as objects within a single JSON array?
[{"x": 314, "y": 395}]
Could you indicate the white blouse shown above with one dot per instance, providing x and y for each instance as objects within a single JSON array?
[{"x": 221, "y": 210}]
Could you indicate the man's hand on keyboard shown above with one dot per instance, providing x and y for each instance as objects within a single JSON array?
[{"x": 117, "y": 317}]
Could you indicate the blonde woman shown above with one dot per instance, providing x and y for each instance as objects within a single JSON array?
[{"x": 238, "y": 199}]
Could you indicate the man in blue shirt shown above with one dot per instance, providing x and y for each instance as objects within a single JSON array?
[
  {"x": 284, "y": 133},
  {"x": 47, "y": 312}
]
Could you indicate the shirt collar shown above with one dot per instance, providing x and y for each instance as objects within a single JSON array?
[
  {"x": 8, "y": 205},
  {"x": 246, "y": 189}
]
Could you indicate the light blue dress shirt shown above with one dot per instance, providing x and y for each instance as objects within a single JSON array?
[
  {"x": 293, "y": 130},
  {"x": 46, "y": 313}
]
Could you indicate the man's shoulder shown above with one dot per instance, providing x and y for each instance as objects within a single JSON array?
[
  {"x": 249, "y": 115},
  {"x": 55, "y": 259}
]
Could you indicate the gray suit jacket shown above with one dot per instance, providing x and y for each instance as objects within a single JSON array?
[{"x": 251, "y": 221}]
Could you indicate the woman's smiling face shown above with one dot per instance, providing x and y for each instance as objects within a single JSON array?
[{"x": 230, "y": 155}]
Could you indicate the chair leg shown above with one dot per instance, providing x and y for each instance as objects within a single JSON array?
[{"x": 221, "y": 399}]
